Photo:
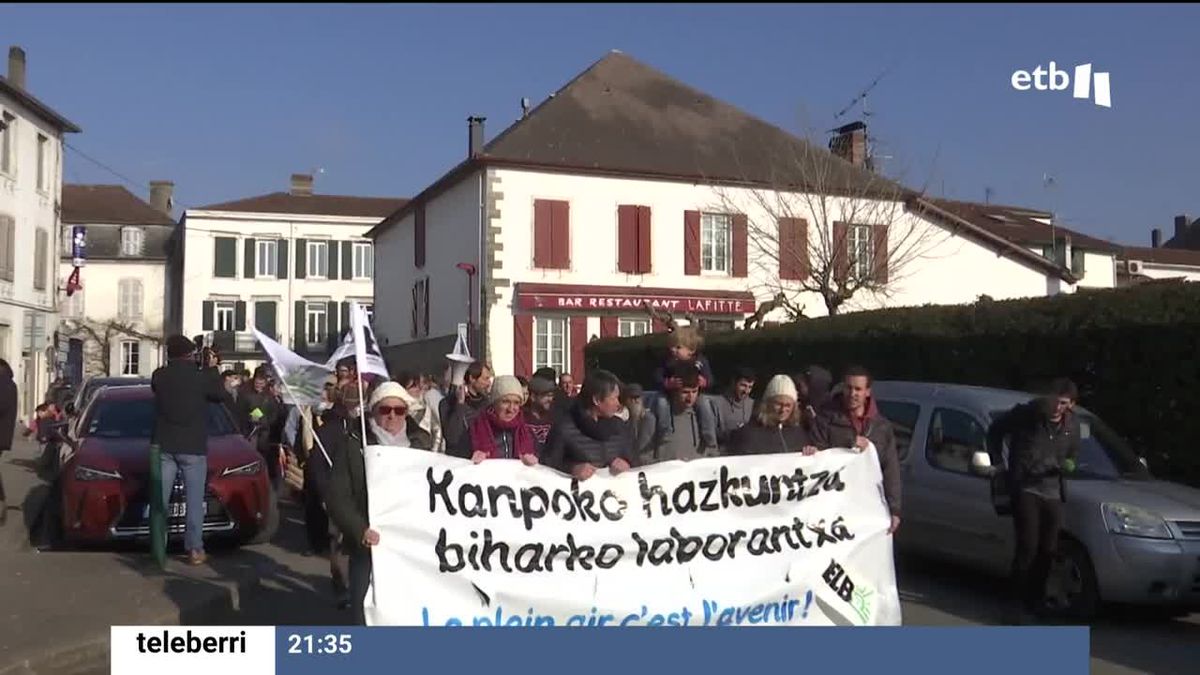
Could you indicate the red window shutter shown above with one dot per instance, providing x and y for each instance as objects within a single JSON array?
[
  {"x": 561, "y": 235},
  {"x": 419, "y": 236},
  {"x": 741, "y": 236},
  {"x": 793, "y": 249},
  {"x": 523, "y": 345},
  {"x": 879, "y": 253},
  {"x": 578, "y": 342},
  {"x": 691, "y": 242},
  {"x": 608, "y": 326},
  {"x": 542, "y": 233},
  {"x": 841, "y": 252},
  {"x": 644, "y": 263},
  {"x": 627, "y": 239}
]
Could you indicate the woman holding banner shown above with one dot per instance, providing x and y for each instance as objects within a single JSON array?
[
  {"x": 390, "y": 425},
  {"x": 590, "y": 435},
  {"x": 500, "y": 431},
  {"x": 777, "y": 426}
]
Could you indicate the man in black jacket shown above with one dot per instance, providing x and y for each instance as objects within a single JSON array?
[
  {"x": 465, "y": 403},
  {"x": 1043, "y": 437},
  {"x": 257, "y": 412},
  {"x": 8, "y": 422},
  {"x": 182, "y": 393}
]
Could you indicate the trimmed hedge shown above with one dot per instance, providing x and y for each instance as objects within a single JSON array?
[{"x": 1132, "y": 351}]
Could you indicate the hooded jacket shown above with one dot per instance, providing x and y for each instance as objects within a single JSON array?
[{"x": 835, "y": 429}]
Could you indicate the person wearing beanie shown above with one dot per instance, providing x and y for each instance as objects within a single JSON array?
[
  {"x": 776, "y": 428},
  {"x": 500, "y": 431},
  {"x": 735, "y": 408},
  {"x": 539, "y": 410}
]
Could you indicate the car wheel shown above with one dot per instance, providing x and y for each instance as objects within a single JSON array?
[
  {"x": 1071, "y": 589},
  {"x": 270, "y": 524}
]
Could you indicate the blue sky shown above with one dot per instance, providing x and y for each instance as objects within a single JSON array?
[{"x": 229, "y": 100}]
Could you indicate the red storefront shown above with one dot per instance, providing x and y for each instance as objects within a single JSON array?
[{"x": 550, "y": 321}]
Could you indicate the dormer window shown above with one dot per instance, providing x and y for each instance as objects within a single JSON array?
[{"x": 131, "y": 240}]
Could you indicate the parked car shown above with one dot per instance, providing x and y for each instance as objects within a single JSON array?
[
  {"x": 91, "y": 385},
  {"x": 105, "y": 493},
  {"x": 1127, "y": 537}
]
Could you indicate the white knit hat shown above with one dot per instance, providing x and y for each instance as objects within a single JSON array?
[
  {"x": 781, "y": 385},
  {"x": 507, "y": 385},
  {"x": 390, "y": 390}
]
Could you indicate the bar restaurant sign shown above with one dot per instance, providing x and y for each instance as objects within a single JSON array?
[{"x": 675, "y": 303}]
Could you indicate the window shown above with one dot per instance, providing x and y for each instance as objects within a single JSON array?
[
  {"x": 364, "y": 261},
  {"x": 903, "y": 417},
  {"x": 226, "y": 315},
  {"x": 550, "y": 344},
  {"x": 65, "y": 245},
  {"x": 41, "y": 253},
  {"x": 73, "y": 306},
  {"x": 8, "y": 144},
  {"x": 131, "y": 357},
  {"x": 132, "y": 239},
  {"x": 43, "y": 163},
  {"x": 316, "y": 323},
  {"x": 129, "y": 299},
  {"x": 318, "y": 259},
  {"x": 632, "y": 327},
  {"x": 954, "y": 436},
  {"x": 715, "y": 242},
  {"x": 266, "y": 259},
  {"x": 135, "y": 419},
  {"x": 860, "y": 250},
  {"x": 225, "y": 257},
  {"x": 420, "y": 308},
  {"x": 8, "y": 232},
  {"x": 1077, "y": 262}
]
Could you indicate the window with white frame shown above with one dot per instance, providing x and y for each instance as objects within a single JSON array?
[
  {"x": 132, "y": 239},
  {"x": 316, "y": 323},
  {"x": 8, "y": 144},
  {"x": 225, "y": 315},
  {"x": 318, "y": 259},
  {"x": 266, "y": 259},
  {"x": 716, "y": 234},
  {"x": 43, "y": 163},
  {"x": 129, "y": 299},
  {"x": 73, "y": 307},
  {"x": 860, "y": 250},
  {"x": 632, "y": 327},
  {"x": 364, "y": 261},
  {"x": 550, "y": 344},
  {"x": 131, "y": 357}
]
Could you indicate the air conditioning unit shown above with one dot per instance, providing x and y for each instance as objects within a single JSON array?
[{"x": 1133, "y": 266}]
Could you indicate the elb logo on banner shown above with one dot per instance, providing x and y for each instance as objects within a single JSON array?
[{"x": 1059, "y": 80}]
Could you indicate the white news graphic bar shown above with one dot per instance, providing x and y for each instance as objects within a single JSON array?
[
  {"x": 1083, "y": 81},
  {"x": 1103, "y": 93},
  {"x": 191, "y": 650}
]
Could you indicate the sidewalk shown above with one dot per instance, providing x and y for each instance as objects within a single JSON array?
[{"x": 58, "y": 607}]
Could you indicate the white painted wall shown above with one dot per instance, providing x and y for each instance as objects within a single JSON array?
[
  {"x": 32, "y": 209},
  {"x": 1161, "y": 271},
  {"x": 98, "y": 303},
  {"x": 1099, "y": 270},
  {"x": 201, "y": 228}
]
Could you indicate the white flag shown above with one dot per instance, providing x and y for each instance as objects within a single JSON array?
[
  {"x": 303, "y": 380},
  {"x": 366, "y": 349}
]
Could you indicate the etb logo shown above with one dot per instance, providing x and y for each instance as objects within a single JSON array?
[{"x": 1087, "y": 84}]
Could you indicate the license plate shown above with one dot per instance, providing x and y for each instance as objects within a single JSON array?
[{"x": 177, "y": 510}]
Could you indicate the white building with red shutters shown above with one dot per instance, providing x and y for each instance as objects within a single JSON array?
[{"x": 627, "y": 189}]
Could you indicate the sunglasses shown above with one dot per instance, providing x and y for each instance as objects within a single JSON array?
[{"x": 398, "y": 410}]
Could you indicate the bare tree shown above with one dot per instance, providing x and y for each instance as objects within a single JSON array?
[
  {"x": 100, "y": 337},
  {"x": 821, "y": 225}
]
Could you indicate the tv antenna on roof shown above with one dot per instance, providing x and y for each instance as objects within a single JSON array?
[{"x": 862, "y": 98}]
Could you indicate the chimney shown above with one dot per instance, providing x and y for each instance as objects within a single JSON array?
[
  {"x": 850, "y": 143},
  {"x": 302, "y": 184},
  {"x": 475, "y": 135},
  {"x": 1181, "y": 228},
  {"x": 16, "y": 67},
  {"x": 161, "y": 192},
  {"x": 1155, "y": 238}
]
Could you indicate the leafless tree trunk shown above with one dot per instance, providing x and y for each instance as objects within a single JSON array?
[{"x": 103, "y": 334}]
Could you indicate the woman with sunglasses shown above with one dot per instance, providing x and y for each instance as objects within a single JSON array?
[
  {"x": 388, "y": 424},
  {"x": 500, "y": 431}
]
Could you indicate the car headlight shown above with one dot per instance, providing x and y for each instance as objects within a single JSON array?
[
  {"x": 88, "y": 473},
  {"x": 1135, "y": 522},
  {"x": 244, "y": 470}
]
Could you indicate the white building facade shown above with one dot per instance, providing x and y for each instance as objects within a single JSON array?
[
  {"x": 575, "y": 245},
  {"x": 288, "y": 264},
  {"x": 31, "y": 159}
]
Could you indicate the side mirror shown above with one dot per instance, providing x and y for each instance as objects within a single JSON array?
[{"x": 981, "y": 464}]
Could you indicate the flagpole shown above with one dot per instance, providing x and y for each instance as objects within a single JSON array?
[
  {"x": 358, "y": 367},
  {"x": 311, "y": 430}
]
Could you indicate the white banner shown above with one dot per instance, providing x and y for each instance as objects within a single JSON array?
[{"x": 764, "y": 540}]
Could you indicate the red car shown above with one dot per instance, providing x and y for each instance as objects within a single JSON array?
[{"x": 104, "y": 483}]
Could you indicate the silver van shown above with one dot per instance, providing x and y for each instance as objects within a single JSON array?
[{"x": 1127, "y": 537}]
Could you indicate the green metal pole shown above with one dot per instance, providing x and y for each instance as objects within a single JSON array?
[{"x": 158, "y": 516}]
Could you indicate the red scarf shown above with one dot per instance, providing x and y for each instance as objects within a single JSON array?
[{"x": 487, "y": 425}]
